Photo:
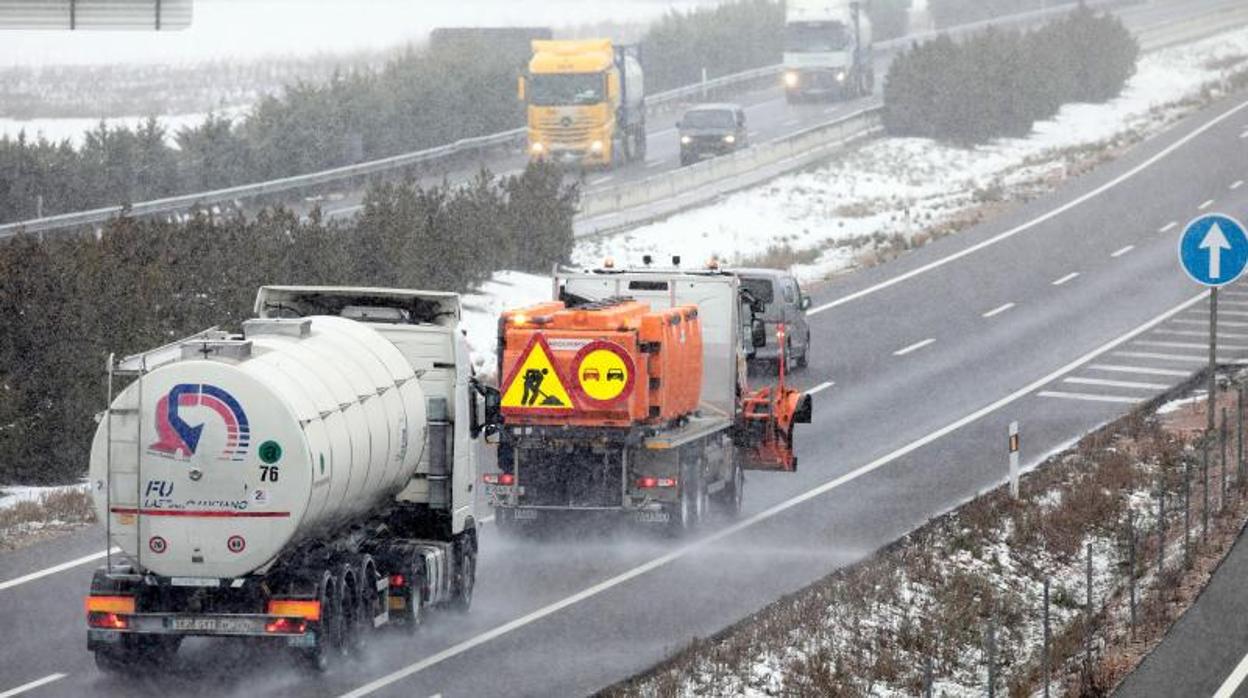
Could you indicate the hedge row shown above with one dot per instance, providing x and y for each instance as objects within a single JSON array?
[
  {"x": 999, "y": 83},
  {"x": 65, "y": 303}
]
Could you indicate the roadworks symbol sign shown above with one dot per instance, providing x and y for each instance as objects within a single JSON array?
[{"x": 534, "y": 384}]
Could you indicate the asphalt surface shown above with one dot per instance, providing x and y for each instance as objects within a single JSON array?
[
  {"x": 1200, "y": 656},
  {"x": 909, "y": 428}
]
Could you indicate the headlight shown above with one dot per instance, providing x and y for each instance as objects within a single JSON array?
[
  {"x": 596, "y": 146},
  {"x": 686, "y": 140},
  {"x": 536, "y": 148},
  {"x": 730, "y": 138},
  {"x": 840, "y": 77},
  {"x": 790, "y": 79}
]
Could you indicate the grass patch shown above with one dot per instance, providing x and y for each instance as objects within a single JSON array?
[{"x": 58, "y": 509}]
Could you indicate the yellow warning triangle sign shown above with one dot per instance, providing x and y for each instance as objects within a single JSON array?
[{"x": 535, "y": 384}]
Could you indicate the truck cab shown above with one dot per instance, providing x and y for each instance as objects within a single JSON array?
[
  {"x": 827, "y": 50},
  {"x": 585, "y": 103}
]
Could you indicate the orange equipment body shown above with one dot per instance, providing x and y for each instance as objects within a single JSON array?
[{"x": 618, "y": 362}]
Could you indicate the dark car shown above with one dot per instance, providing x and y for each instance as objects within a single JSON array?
[
  {"x": 708, "y": 130},
  {"x": 782, "y": 301}
]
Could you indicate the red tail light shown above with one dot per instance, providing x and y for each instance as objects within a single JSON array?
[
  {"x": 649, "y": 483},
  {"x": 286, "y": 626},
  {"x": 398, "y": 580},
  {"x": 110, "y": 621},
  {"x": 499, "y": 479}
]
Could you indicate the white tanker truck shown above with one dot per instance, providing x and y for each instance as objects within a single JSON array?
[{"x": 305, "y": 481}]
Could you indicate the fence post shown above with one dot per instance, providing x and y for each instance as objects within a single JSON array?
[
  {"x": 1204, "y": 532},
  {"x": 1222, "y": 436},
  {"x": 992, "y": 655},
  {"x": 1087, "y": 635},
  {"x": 1187, "y": 513},
  {"x": 1047, "y": 639},
  {"x": 1131, "y": 565},
  {"x": 1161, "y": 526},
  {"x": 1239, "y": 440}
]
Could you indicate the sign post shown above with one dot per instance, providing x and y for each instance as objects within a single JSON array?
[{"x": 1213, "y": 250}]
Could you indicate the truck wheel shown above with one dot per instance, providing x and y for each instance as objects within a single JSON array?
[
  {"x": 729, "y": 499},
  {"x": 466, "y": 573},
  {"x": 318, "y": 658},
  {"x": 640, "y": 149},
  {"x": 413, "y": 599},
  {"x": 684, "y": 513},
  {"x": 348, "y": 607}
]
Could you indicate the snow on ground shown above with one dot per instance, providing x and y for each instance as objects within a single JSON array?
[
  {"x": 10, "y": 495},
  {"x": 898, "y": 187},
  {"x": 253, "y": 29},
  {"x": 75, "y": 130}
]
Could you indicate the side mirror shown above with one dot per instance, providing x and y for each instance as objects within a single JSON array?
[
  {"x": 806, "y": 303},
  {"x": 680, "y": 125},
  {"x": 520, "y": 91},
  {"x": 485, "y": 405},
  {"x": 758, "y": 333},
  {"x": 493, "y": 434}
]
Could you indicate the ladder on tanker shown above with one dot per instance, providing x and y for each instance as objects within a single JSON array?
[{"x": 126, "y": 442}]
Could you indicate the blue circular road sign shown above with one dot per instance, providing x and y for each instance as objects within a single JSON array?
[{"x": 1214, "y": 249}]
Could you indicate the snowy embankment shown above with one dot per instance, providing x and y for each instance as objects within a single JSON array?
[
  {"x": 894, "y": 193},
  {"x": 12, "y": 495}
]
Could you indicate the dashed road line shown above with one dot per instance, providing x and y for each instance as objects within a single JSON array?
[
  {"x": 1168, "y": 227},
  {"x": 1141, "y": 370},
  {"x": 998, "y": 310},
  {"x": 1237, "y": 184},
  {"x": 32, "y": 685},
  {"x": 1088, "y": 397},
  {"x": 820, "y": 388},
  {"x": 1130, "y": 385},
  {"x": 1122, "y": 251},
  {"x": 791, "y": 122},
  {"x": 601, "y": 180},
  {"x": 1240, "y": 672},
  {"x": 1069, "y": 277},
  {"x": 914, "y": 347},
  {"x": 1205, "y": 205},
  {"x": 656, "y": 163}
]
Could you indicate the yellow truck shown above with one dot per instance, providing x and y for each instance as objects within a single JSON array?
[{"x": 586, "y": 103}]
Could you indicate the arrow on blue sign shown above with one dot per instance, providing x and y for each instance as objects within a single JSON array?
[{"x": 1214, "y": 250}]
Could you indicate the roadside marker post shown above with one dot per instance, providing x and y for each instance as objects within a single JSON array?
[
  {"x": 1213, "y": 250},
  {"x": 1015, "y": 444}
]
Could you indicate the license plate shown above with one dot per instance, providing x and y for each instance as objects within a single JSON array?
[
  {"x": 218, "y": 625},
  {"x": 524, "y": 514},
  {"x": 653, "y": 516},
  {"x": 501, "y": 491}
]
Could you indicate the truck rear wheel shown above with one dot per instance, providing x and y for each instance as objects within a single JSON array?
[
  {"x": 465, "y": 572},
  {"x": 690, "y": 506},
  {"x": 348, "y": 606},
  {"x": 730, "y": 498},
  {"x": 319, "y": 656}
]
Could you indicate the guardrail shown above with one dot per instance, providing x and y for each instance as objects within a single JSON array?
[{"x": 477, "y": 146}]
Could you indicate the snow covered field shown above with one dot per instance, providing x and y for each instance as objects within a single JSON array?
[
  {"x": 10, "y": 495},
  {"x": 75, "y": 130},
  {"x": 898, "y": 189}
]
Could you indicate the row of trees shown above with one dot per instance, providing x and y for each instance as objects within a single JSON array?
[
  {"x": 422, "y": 98},
  {"x": 999, "y": 83},
  {"x": 66, "y": 302}
]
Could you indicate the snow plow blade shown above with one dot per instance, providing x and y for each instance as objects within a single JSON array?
[{"x": 765, "y": 434}]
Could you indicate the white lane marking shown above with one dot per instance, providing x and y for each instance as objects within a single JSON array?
[
  {"x": 1050, "y": 215},
  {"x": 1236, "y": 313},
  {"x": 1162, "y": 357},
  {"x": 601, "y": 180},
  {"x": 1130, "y": 385},
  {"x": 664, "y": 132},
  {"x": 344, "y": 211},
  {"x": 55, "y": 568},
  {"x": 1205, "y": 205},
  {"x": 820, "y": 388},
  {"x": 32, "y": 685},
  {"x": 1189, "y": 345},
  {"x": 1205, "y": 323},
  {"x": 1142, "y": 370},
  {"x": 914, "y": 347},
  {"x": 1237, "y": 676},
  {"x": 1066, "y": 278},
  {"x": 589, "y": 592},
  {"x": 997, "y": 311},
  {"x": 1168, "y": 227},
  {"x": 1198, "y": 333},
  {"x": 1086, "y": 397},
  {"x": 791, "y": 122},
  {"x": 1237, "y": 184},
  {"x": 1123, "y": 251},
  {"x": 656, "y": 163},
  {"x": 830, "y": 110}
]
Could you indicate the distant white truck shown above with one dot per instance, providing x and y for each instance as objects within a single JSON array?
[
  {"x": 301, "y": 482},
  {"x": 827, "y": 50}
]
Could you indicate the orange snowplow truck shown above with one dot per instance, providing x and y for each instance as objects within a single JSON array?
[{"x": 628, "y": 394}]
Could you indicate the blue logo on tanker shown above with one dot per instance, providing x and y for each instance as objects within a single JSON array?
[{"x": 179, "y": 439}]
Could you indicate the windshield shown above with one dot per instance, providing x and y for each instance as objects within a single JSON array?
[
  {"x": 566, "y": 89},
  {"x": 760, "y": 289},
  {"x": 812, "y": 37},
  {"x": 708, "y": 118}
]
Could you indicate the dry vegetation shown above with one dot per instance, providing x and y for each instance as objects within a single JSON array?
[
  {"x": 29, "y": 520},
  {"x": 873, "y": 628}
]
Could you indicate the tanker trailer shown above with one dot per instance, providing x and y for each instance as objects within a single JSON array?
[{"x": 305, "y": 480}]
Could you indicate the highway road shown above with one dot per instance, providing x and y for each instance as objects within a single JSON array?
[
  {"x": 769, "y": 116},
  {"x": 1060, "y": 314}
]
